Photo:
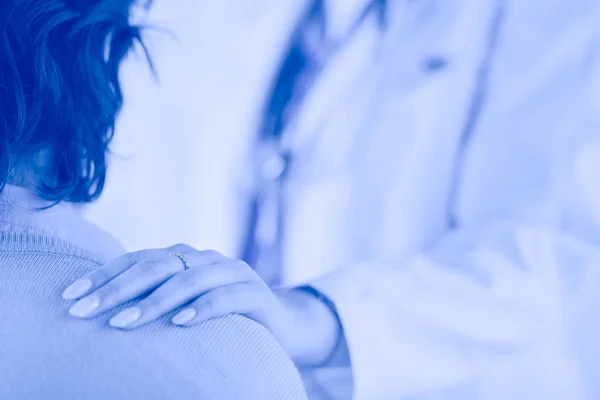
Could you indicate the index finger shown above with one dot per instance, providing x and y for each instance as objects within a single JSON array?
[{"x": 106, "y": 273}]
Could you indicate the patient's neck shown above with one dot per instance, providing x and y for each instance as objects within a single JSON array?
[
  {"x": 23, "y": 178},
  {"x": 30, "y": 171}
]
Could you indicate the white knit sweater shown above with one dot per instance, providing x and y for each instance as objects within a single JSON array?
[{"x": 45, "y": 354}]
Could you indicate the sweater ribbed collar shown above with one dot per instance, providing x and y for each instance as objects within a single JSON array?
[{"x": 24, "y": 226}]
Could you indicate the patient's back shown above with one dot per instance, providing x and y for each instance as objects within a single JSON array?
[{"x": 46, "y": 354}]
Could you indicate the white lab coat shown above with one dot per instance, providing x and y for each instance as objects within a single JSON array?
[
  {"x": 493, "y": 309},
  {"x": 503, "y": 305}
]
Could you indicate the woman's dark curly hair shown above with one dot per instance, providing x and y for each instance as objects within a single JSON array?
[{"x": 59, "y": 88}]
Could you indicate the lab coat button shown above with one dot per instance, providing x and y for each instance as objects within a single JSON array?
[{"x": 435, "y": 63}]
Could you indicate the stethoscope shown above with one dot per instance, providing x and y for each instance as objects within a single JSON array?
[
  {"x": 274, "y": 159},
  {"x": 275, "y": 165}
]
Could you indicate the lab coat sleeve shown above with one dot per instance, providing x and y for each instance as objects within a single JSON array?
[{"x": 502, "y": 311}]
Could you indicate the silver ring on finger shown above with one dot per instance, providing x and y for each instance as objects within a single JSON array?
[{"x": 184, "y": 260}]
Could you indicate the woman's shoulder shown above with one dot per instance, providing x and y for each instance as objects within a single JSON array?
[
  {"x": 240, "y": 350},
  {"x": 225, "y": 358}
]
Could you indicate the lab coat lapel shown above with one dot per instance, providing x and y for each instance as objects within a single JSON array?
[
  {"x": 428, "y": 97},
  {"x": 389, "y": 196}
]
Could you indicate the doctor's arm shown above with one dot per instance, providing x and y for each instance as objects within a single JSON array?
[{"x": 502, "y": 309}]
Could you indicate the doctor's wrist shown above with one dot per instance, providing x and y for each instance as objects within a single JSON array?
[
  {"x": 338, "y": 353},
  {"x": 314, "y": 336}
]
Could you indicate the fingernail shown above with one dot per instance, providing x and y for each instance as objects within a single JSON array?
[
  {"x": 125, "y": 317},
  {"x": 77, "y": 289},
  {"x": 85, "y": 306},
  {"x": 184, "y": 316}
]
